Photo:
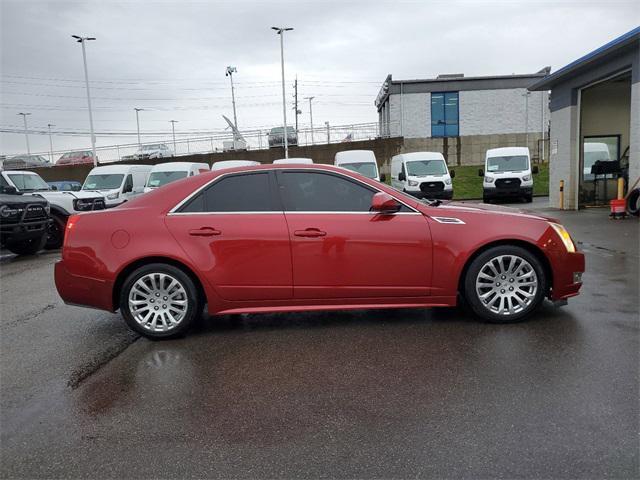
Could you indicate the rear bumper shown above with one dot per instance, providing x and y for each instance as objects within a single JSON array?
[
  {"x": 566, "y": 267},
  {"x": 506, "y": 192},
  {"x": 85, "y": 291}
]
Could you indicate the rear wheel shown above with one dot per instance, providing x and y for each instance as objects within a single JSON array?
[
  {"x": 505, "y": 284},
  {"x": 159, "y": 301},
  {"x": 27, "y": 247}
]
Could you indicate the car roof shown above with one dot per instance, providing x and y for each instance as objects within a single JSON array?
[
  {"x": 356, "y": 156},
  {"x": 175, "y": 166},
  {"x": 507, "y": 151},
  {"x": 293, "y": 160},
  {"x": 420, "y": 156},
  {"x": 119, "y": 168}
]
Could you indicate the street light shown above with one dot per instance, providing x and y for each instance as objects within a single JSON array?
[
  {"x": 173, "y": 130},
  {"x": 138, "y": 124},
  {"x": 230, "y": 72},
  {"x": 82, "y": 41},
  {"x": 49, "y": 125},
  {"x": 280, "y": 31},
  {"x": 26, "y": 132},
  {"x": 310, "y": 116}
]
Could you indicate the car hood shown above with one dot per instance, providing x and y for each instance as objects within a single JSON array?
[
  {"x": 21, "y": 199},
  {"x": 52, "y": 195},
  {"x": 451, "y": 208}
]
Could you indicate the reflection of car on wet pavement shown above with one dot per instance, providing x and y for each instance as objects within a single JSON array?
[{"x": 322, "y": 240}]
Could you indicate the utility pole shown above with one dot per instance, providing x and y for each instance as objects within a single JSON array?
[
  {"x": 310, "y": 116},
  {"x": 526, "y": 116},
  {"x": 173, "y": 130},
  {"x": 295, "y": 96},
  {"x": 230, "y": 72},
  {"x": 49, "y": 125},
  {"x": 138, "y": 124},
  {"x": 328, "y": 132},
  {"x": 26, "y": 131},
  {"x": 82, "y": 41},
  {"x": 281, "y": 31}
]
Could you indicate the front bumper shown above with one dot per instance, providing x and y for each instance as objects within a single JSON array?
[
  {"x": 567, "y": 274},
  {"x": 81, "y": 290},
  {"x": 493, "y": 192},
  {"x": 20, "y": 232},
  {"x": 441, "y": 194}
]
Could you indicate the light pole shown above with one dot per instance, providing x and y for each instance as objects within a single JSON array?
[
  {"x": 49, "y": 125},
  {"x": 82, "y": 40},
  {"x": 310, "y": 116},
  {"x": 280, "y": 31},
  {"x": 230, "y": 72},
  {"x": 26, "y": 132},
  {"x": 173, "y": 130},
  {"x": 138, "y": 125}
]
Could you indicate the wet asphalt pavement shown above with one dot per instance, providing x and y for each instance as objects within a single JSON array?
[{"x": 389, "y": 393}]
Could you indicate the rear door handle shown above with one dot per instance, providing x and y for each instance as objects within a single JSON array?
[
  {"x": 309, "y": 233},
  {"x": 204, "y": 232}
]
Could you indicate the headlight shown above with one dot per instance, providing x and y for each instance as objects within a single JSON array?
[
  {"x": 413, "y": 183},
  {"x": 113, "y": 196},
  {"x": 564, "y": 236},
  {"x": 488, "y": 179},
  {"x": 447, "y": 181},
  {"x": 526, "y": 178},
  {"x": 82, "y": 204}
]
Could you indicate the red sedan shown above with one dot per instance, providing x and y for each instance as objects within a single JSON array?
[{"x": 277, "y": 238}]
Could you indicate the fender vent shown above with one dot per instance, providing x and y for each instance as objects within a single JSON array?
[{"x": 452, "y": 220}]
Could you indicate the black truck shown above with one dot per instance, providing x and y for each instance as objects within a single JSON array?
[{"x": 24, "y": 222}]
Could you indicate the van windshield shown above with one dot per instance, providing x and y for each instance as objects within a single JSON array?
[
  {"x": 157, "y": 179},
  {"x": 422, "y": 168},
  {"x": 107, "y": 181},
  {"x": 363, "y": 168},
  {"x": 514, "y": 163}
]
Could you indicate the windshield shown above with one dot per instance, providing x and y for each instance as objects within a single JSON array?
[
  {"x": 421, "y": 168},
  {"x": 107, "y": 181},
  {"x": 515, "y": 163},
  {"x": 28, "y": 183},
  {"x": 366, "y": 169},
  {"x": 157, "y": 179}
]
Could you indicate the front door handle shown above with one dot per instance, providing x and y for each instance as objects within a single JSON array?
[
  {"x": 204, "y": 232},
  {"x": 309, "y": 233}
]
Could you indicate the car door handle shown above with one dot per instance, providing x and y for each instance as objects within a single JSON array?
[
  {"x": 309, "y": 232},
  {"x": 204, "y": 232}
]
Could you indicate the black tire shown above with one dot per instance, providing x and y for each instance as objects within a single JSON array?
[
  {"x": 27, "y": 247},
  {"x": 528, "y": 199},
  {"x": 477, "y": 305},
  {"x": 194, "y": 302},
  {"x": 633, "y": 202},
  {"x": 55, "y": 232},
  {"x": 485, "y": 199}
]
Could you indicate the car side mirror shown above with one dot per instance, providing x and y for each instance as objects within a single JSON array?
[
  {"x": 534, "y": 170},
  {"x": 452, "y": 173},
  {"x": 384, "y": 203},
  {"x": 383, "y": 177},
  {"x": 76, "y": 188},
  {"x": 10, "y": 190},
  {"x": 402, "y": 177},
  {"x": 480, "y": 172}
]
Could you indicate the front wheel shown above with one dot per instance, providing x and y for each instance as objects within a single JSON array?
[
  {"x": 505, "y": 284},
  {"x": 159, "y": 301},
  {"x": 55, "y": 232}
]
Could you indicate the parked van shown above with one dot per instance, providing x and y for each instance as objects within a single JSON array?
[
  {"x": 422, "y": 174},
  {"x": 595, "y": 152},
  {"x": 306, "y": 161},
  {"x": 118, "y": 183},
  {"x": 507, "y": 174},
  {"x": 164, "y": 173},
  {"x": 359, "y": 161},
  {"x": 233, "y": 163}
]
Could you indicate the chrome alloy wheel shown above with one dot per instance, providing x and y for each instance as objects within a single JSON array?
[
  {"x": 158, "y": 302},
  {"x": 506, "y": 285}
]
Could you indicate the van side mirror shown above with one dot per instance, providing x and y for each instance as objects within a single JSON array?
[
  {"x": 402, "y": 177},
  {"x": 452, "y": 173},
  {"x": 480, "y": 172},
  {"x": 384, "y": 203},
  {"x": 383, "y": 177},
  {"x": 128, "y": 187},
  {"x": 535, "y": 170}
]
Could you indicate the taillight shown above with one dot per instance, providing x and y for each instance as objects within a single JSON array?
[{"x": 71, "y": 224}]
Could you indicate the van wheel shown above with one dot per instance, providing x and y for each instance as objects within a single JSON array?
[
  {"x": 27, "y": 247},
  {"x": 505, "y": 284},
  {"x": 159, "y": 301},
  {"x": 528, "y": 198},
  {"x": 55, "y": 232}
]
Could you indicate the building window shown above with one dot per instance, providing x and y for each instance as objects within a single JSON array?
[{"x": 444, "y": 114}]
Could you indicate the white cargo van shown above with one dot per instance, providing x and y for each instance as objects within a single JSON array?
[
  {"x": 164, "y": 173},
  {"x": 118, "y": 183},
  {"x": 306, "y": 161},
  {"x": 507, "y": 174},
  {"x": 595, "y": 152},
  {"x": 422, "y": 174},
  {"x": 233, "y": 164},
  {"x": 359, "y": 161}
]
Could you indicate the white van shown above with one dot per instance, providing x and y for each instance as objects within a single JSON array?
[
  {"x": 118, "y": 183},
  {"x": 594, "y": 152},
  {"x": 422, "y": 174},
  {"x": 164, "y": 173},
  {"x": 359, "y": 161},
  {"x": 233, "y": 164},
  {"x": 305, "y": 161},
  {"x": 507, "y": 174}
]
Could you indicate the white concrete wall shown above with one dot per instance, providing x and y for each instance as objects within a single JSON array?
[
  {"x": 564, "y": 157},
  {"x": 634, "y": 134}
]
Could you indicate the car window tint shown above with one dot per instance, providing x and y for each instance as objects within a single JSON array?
[
  {"x": 321, "y": 192},
  {"x": 237, "y": 193}
]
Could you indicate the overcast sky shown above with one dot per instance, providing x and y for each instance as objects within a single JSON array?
[{"x": 169, "y": 58}]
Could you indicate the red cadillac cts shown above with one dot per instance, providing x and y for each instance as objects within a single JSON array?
[{"x": 277, "y": 238}]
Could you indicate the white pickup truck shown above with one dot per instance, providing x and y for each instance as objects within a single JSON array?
[{"x": 63, "y": 204}]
